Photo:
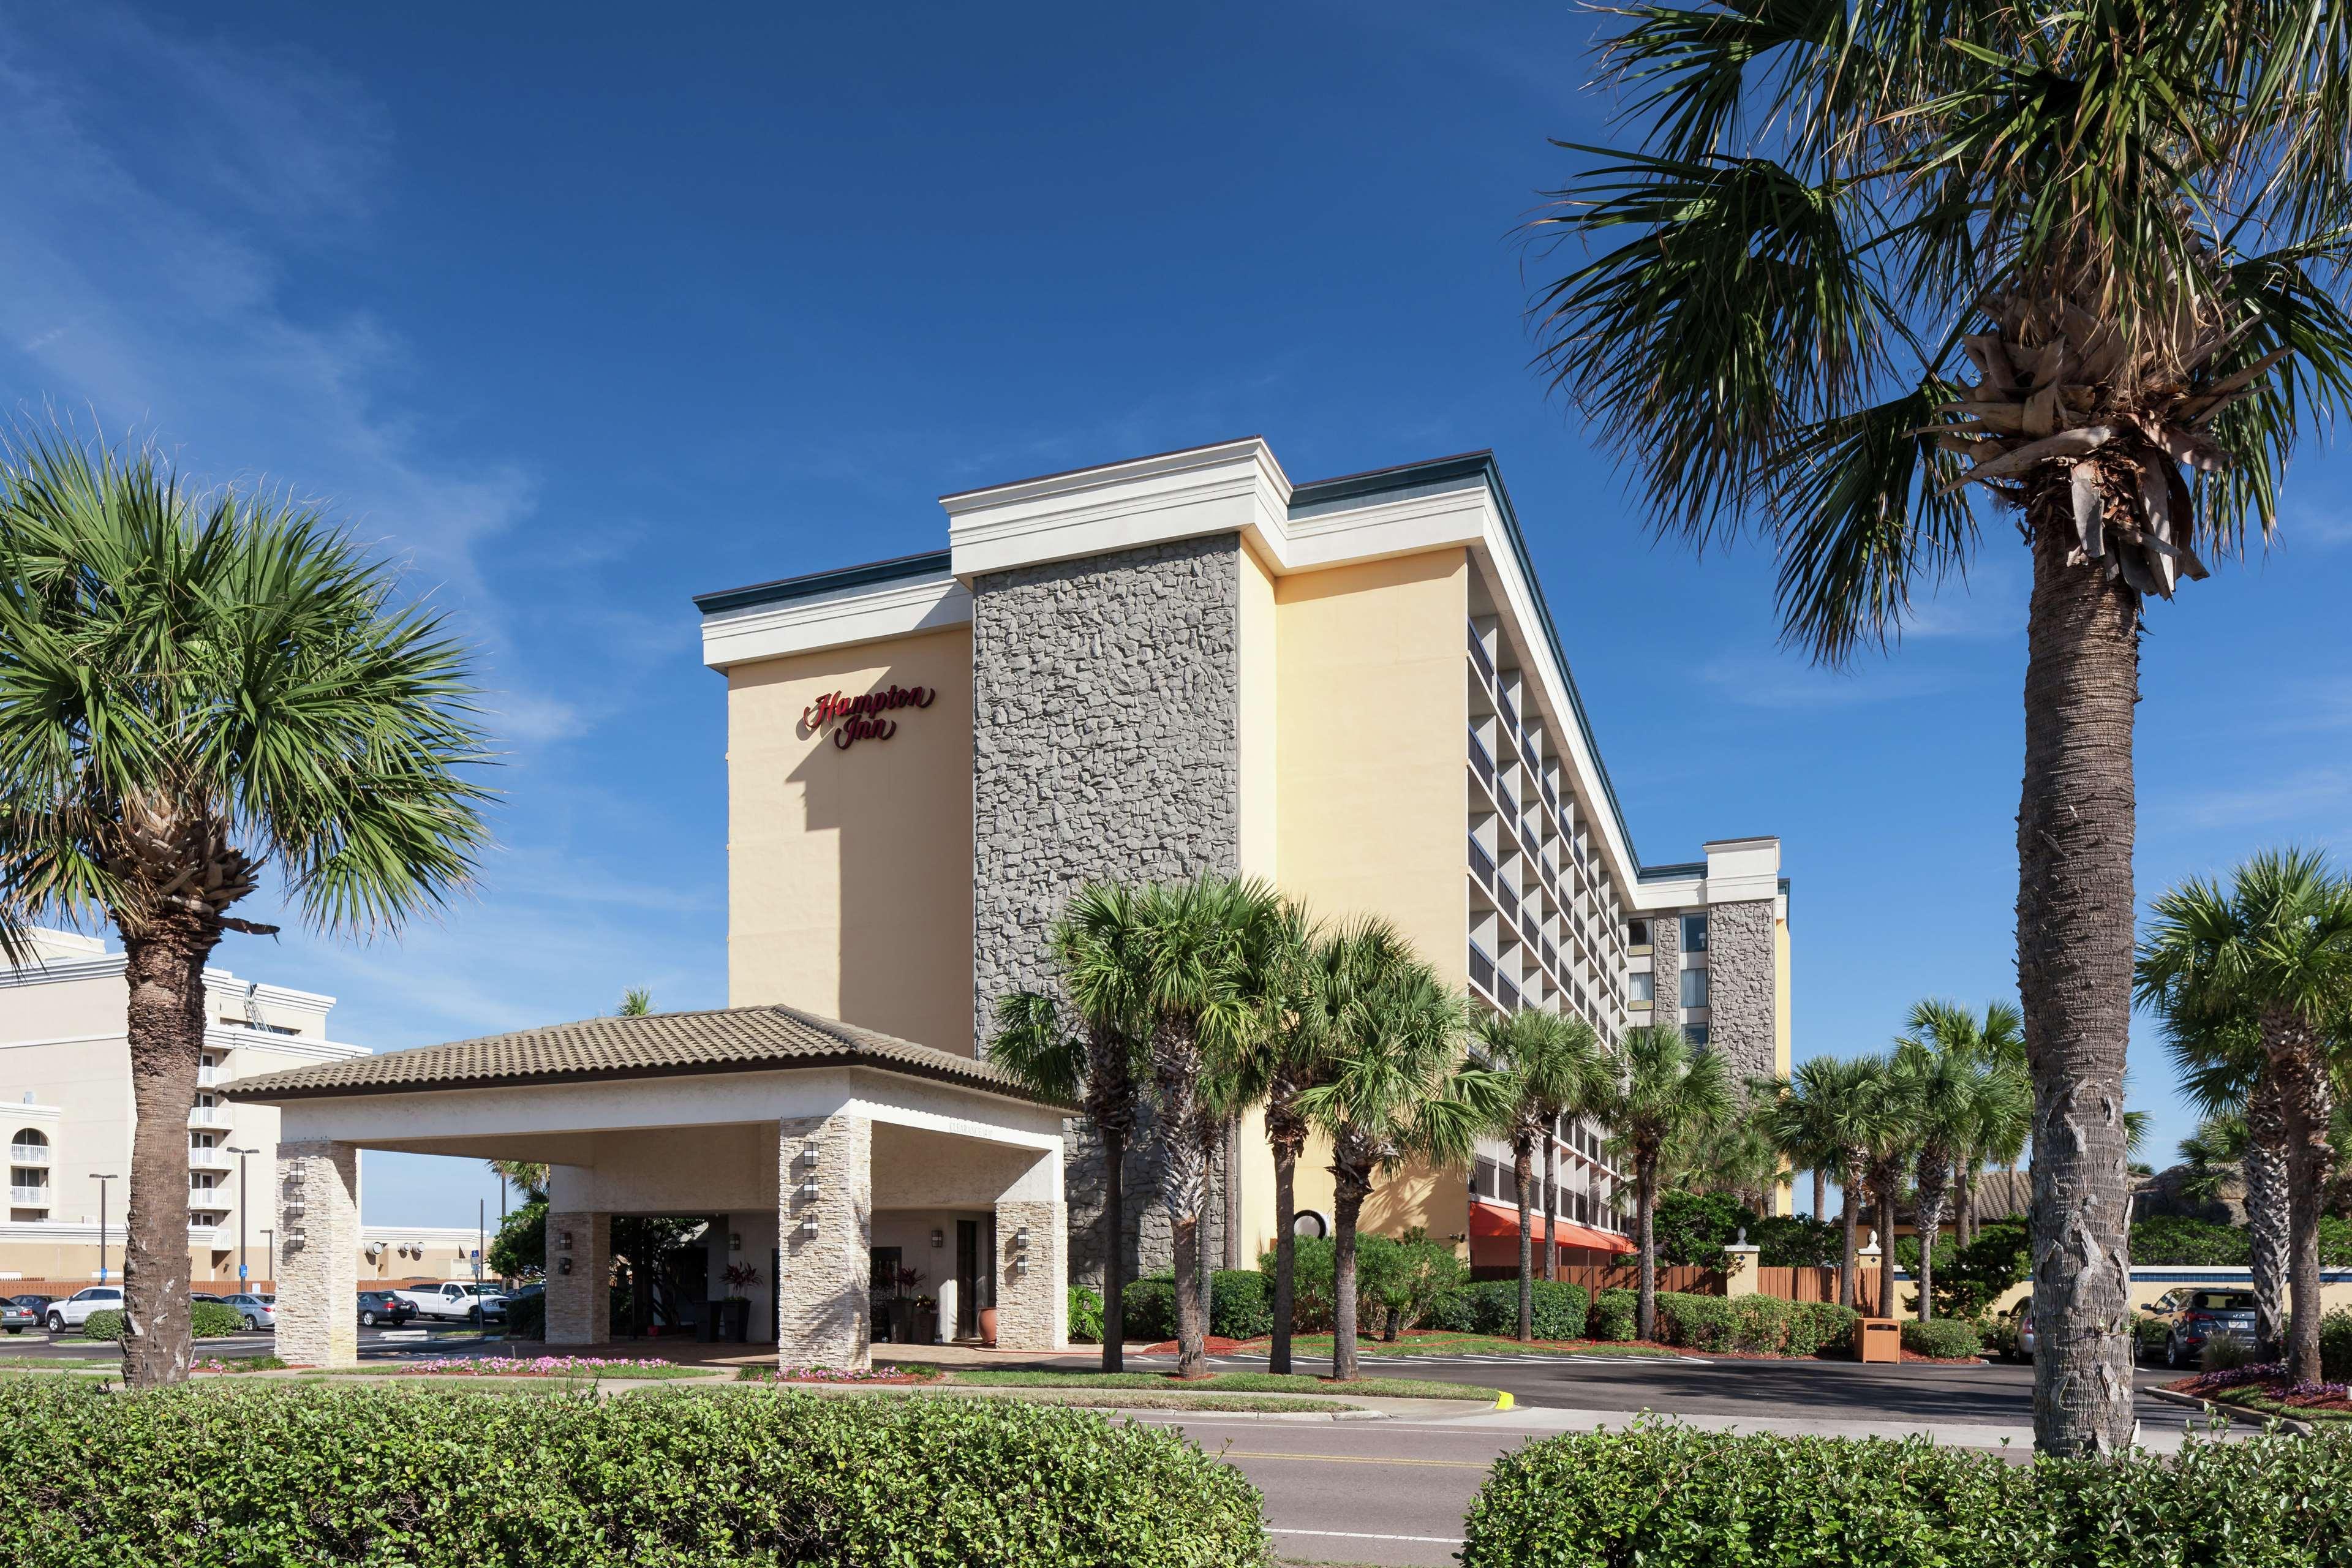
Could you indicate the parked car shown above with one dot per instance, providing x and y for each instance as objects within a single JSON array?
[
  {"x": 206, "y": 1295},
  {"x": 384, "y": 1307},
  {"x": 75, "y": 1310},
  {"x": 40, "y": 1304},
  {"x": 2023, "y": 1316},
  {"x": 2196, "y": 1318},
  {"x": 15, "y": 1317},
  {"x": 460, "y": 1300},
  {"x": 258, "y": 1312}
]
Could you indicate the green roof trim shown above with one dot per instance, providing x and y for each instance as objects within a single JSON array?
[{"x": 931, "y": 563}]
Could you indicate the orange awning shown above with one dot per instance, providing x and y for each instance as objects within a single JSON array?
[{"x": 1491, "y": 1221}]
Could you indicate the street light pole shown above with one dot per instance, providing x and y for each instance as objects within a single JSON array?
[
  {"x": 103, "y": 1178},
  {"x": 240, "y": 1154}
]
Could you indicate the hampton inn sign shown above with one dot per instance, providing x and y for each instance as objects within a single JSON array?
[{"x": 864, "y": 717}]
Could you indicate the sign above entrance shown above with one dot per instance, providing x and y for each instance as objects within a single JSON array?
[{"x": 864, "y": 717}]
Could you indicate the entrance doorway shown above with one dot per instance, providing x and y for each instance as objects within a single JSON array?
[{"x": 967, "y": 1324}]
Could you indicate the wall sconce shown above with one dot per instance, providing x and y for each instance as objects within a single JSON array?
[
  {"x": 293, "y": 1207},
  {"x": 564, "y": 1243},
  {"x": 1021, "y": 1239},
  {"x": 808, "y": 1155},
  {"x": 808, "y": 1190},
  {"x": 939, "y": 1237},
  {"x": 807, "y": 1227},
  {"x": 734, "y": 1241},
  {"x": 1020, "y": 1265},
  {"x": 563, "y": 1266}
]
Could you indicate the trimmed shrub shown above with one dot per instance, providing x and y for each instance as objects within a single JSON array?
[
  {"x": 1816, "y": 1328},
  {"x": 1453, "y": 1313},
  {"x": 1241, "y": 1303},
  {"x": 1086, "y": 1316},
  {"x": 450, "y": 1479},
  {"x": 1946, "y": 1338},
  {"x": 1492, "y": 1307},
  {"x": 1616, "y": 1315},
  {"x": 527, "y": 1316},
  {"x": 2335, "y": 1345},
  {"x": 1398, "y": 1283},
  {"x": 1763, "y": 1324},
  {"x": 213, "y": 1319},
  {"x": 1148, "y": 1307},
  {"x": 107, "y": 1325},
  {"x": 1666, "y": 1496}
]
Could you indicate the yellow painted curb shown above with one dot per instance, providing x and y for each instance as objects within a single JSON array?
[{"x": 1503, "y": 1401}]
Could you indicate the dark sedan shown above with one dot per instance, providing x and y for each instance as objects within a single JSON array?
[
  {"x": 383, "y": 1307},
  {"x": 17, "y": 1317}
]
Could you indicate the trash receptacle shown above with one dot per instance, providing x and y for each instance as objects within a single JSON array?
[{"x": 1880, "y": 1339}]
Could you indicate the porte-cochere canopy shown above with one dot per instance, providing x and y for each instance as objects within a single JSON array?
[{"x": 816, "y": 1148}]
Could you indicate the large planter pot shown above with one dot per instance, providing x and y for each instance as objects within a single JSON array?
[
  {"x": 927, "y": 1325},
  {"x": 902, "y": 1322},
  {"x": 706, "y": 1323},
  {"x": 739, "y": 1319},
  {"x": 987, "y": 1325}
]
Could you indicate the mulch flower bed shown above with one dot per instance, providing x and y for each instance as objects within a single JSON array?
[
  {"x": 516, "y": 1366},
  {"x": 1213, "y": 1344},
  {"x": 865, "y": 1377},
  {"x": 2269, "y": 1381}
]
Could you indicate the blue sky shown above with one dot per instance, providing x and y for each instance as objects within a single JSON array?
[{"x": 578, "y": 313}]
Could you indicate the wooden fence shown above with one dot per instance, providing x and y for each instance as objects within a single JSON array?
[{"x": 1787, "y": 1284}]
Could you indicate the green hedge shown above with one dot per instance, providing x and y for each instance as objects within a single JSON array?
[
  {"x": 208, "y": 1321},
  {"x": 1086, "y": 1316},
  {"x": 1492, "y": 1307},
  {"x": 106, "y": 1325},
  {"x": 1147, "y": 1308},
  {"x": 2335, "y": 1345},
  {"x": 1616, "y": 1315},
  {"x": 1665, "y": 1496},
  {"x": 1947, "y": 1339},
  {"x": 1241, "y": 1303},
  {"x": 432, "y": 1478},
  {"x": 1762, "y": 1323}
]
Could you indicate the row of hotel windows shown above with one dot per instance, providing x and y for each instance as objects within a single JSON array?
[
  {"x": 1493, "y": 1180},
  {"x": 1637, "y": 934},
  {"x": 1643, "y": 987}
]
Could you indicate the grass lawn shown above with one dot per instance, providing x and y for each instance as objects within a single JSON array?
[
  {"x": 56, "y": 1362},
  {"x": 580, "y": 1369},
  {"x": 1123, "y": 1399},
  {"x": 1224, "y": 1383},
  {"x": 1319, "y": 1346}
]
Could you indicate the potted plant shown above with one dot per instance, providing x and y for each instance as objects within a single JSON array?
[
  {"x": 927, "y": 1320},
  {"x": 737, "y": 1305},
  {"x": 902, "y": 1307},
  {"x": 987, "y": 1325}
]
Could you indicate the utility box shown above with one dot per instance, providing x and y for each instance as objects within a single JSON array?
[{"x": 1880, "y": 1339}]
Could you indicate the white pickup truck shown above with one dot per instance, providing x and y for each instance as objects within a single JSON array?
[{"x": 459, "y": 1299}]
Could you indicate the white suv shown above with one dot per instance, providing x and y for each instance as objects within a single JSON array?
[{"x": 75, "y": 1310}]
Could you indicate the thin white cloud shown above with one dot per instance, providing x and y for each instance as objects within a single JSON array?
[
  {"x": 2302, "y": 795},
  {"x": 1777, "y": 682}
]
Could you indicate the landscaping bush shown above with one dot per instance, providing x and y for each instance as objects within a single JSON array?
[
  {"x": 1492, "y": 1307},
  {"x": 527, "y": 1316},
  {"x": 107, "y": 1325},
  {"x": 1665, "y": 1495},
  {"x": 1398, "y": 1282},
  {"x": 1695, "y": 1228},
  {"x": 1241, "y": 1303},
  {"x": 213, "y": 1319},
  {"x": 1946, "y": 1338},
  {"x": 441, "y": 1478},
  {"x": 1148, "y": 1307},
  {"x": 1763, "y": 1324},
  {"x": 1616, "y": 1315},
  {"x": 1796, "y": 1241},
  {"x": 2176, "y": 1241},
  {"x": 1815, "y": 1327},
  {"x": 1086, "y": 1316},
  {"x": 2227, "y": 1353},
  {"x": 1972, "y": 1278},
  {"x": 2335, "y": 1345}
]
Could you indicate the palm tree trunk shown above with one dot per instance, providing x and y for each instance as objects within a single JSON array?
[
  {"x": 1522, "y": 1176},
  {"x": 1348, "y": 1193},
  {"x": 2298, "y": 1066},
  {"x": 1887, "y": 1248},
  {"x": 1192, "y": 1354},
  {"x": 1820, "y": 1192},
  {"x": 2075, "y": 913},
  {"x": 1962, "y": 1232},
  {"x": 1176, "y": 1062},
  {"x": 1551, "y": 1205},
  {"x": 1931, "y": 1222},
  {"x": 1646, "y": 1238},
  {"x": 2267, "y": 1219},
  {"x": 1849, "y": 1287},
  {"x": 164, "y": 965},
  {"x": 1113, "y": 1249},
  {"x": 1286, "y": 1252}
]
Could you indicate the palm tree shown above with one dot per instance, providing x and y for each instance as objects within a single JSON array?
[
  {"x": 1885, "y": 1139},
  {"x": 1397, "y": 1090},
  {"x": 1100, "y": 946},
  {"x": 531, "y": 1175},
  {"x": 1741, "y": 1155},
  {"x": 193, "y": 687},
  {"x": 1995, "y": 1043},
  {"x": 1943, "y": 1092},
  {"x": 1197, "y": 1001},
  {"x": 1657, "y": 1093},
  {"x": 2220, "y": 1064},
  {"x": 636, "y": 1001},
  {"x": 2276, "y": 950},
  {"x": 1869, "y": 260},
  {"x": 1546, "y": 1063},
  {"x": 1816, "y": 1122}
]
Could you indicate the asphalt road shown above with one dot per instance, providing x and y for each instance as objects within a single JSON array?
[{"x": 35, "y": 1343}]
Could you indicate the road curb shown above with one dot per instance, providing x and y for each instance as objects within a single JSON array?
[{"x": 2170, "y": 1396}]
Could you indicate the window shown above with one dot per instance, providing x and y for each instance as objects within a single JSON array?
[
  {"x": 200, "y": 1181},
  {"x": 1695, "y": 989},
  {"x": 1694, "y": 1033},
  {"x": 1693, "y": 933},
  {"x": 1637, "y": 934},
  {"x": 1641, "y": 987},
  {"x": 202, "y": 1139}
]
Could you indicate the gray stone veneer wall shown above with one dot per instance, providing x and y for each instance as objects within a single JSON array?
[
  {"x": 1106, "y": 742},
  {"x": 318, "y": 1278},
  {"x": 1665, "y": 971},
  {"x": 824, "y": 1284},
  {"x": 1739, "y": 984}
]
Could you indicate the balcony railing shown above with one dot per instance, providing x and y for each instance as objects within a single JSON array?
[
  {"x": 1482, "y": 865},
  {"x": 28, "y": 1153},
  {"x": 208, "y": 1116},
  {"x": 35, "y": 1196},
  {"x": 1509, "y": 994},
  {"x": 1482, "y": 968},
  {"x": 1507, "y": 896},
  {"x": 209, "y": 1158},
  {"x": 211, "y": 1076},
  {"x": 1482, "y": 760},
  {"x": 1479, "y": 656}
]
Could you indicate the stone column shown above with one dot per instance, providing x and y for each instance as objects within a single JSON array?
[
  {"x": 825, "y": 1212},
  {"x": 1740, "y": 1268},
  {"x": 1033, "y": 1294},
  {"x": 318, "y": 1280},
  {"x": 1741, "y": 979},
  {"x": 579, "y": 1279}
]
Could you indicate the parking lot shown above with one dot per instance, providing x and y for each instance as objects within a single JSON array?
[{"x": 71, "y": 1345}]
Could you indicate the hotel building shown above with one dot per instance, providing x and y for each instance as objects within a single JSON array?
[{"x": 1353, "y": 688}]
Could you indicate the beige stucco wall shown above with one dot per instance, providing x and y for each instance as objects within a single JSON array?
[
  {"x": 1259, "y": 720},
  {"x": 850, "y": 871}
]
